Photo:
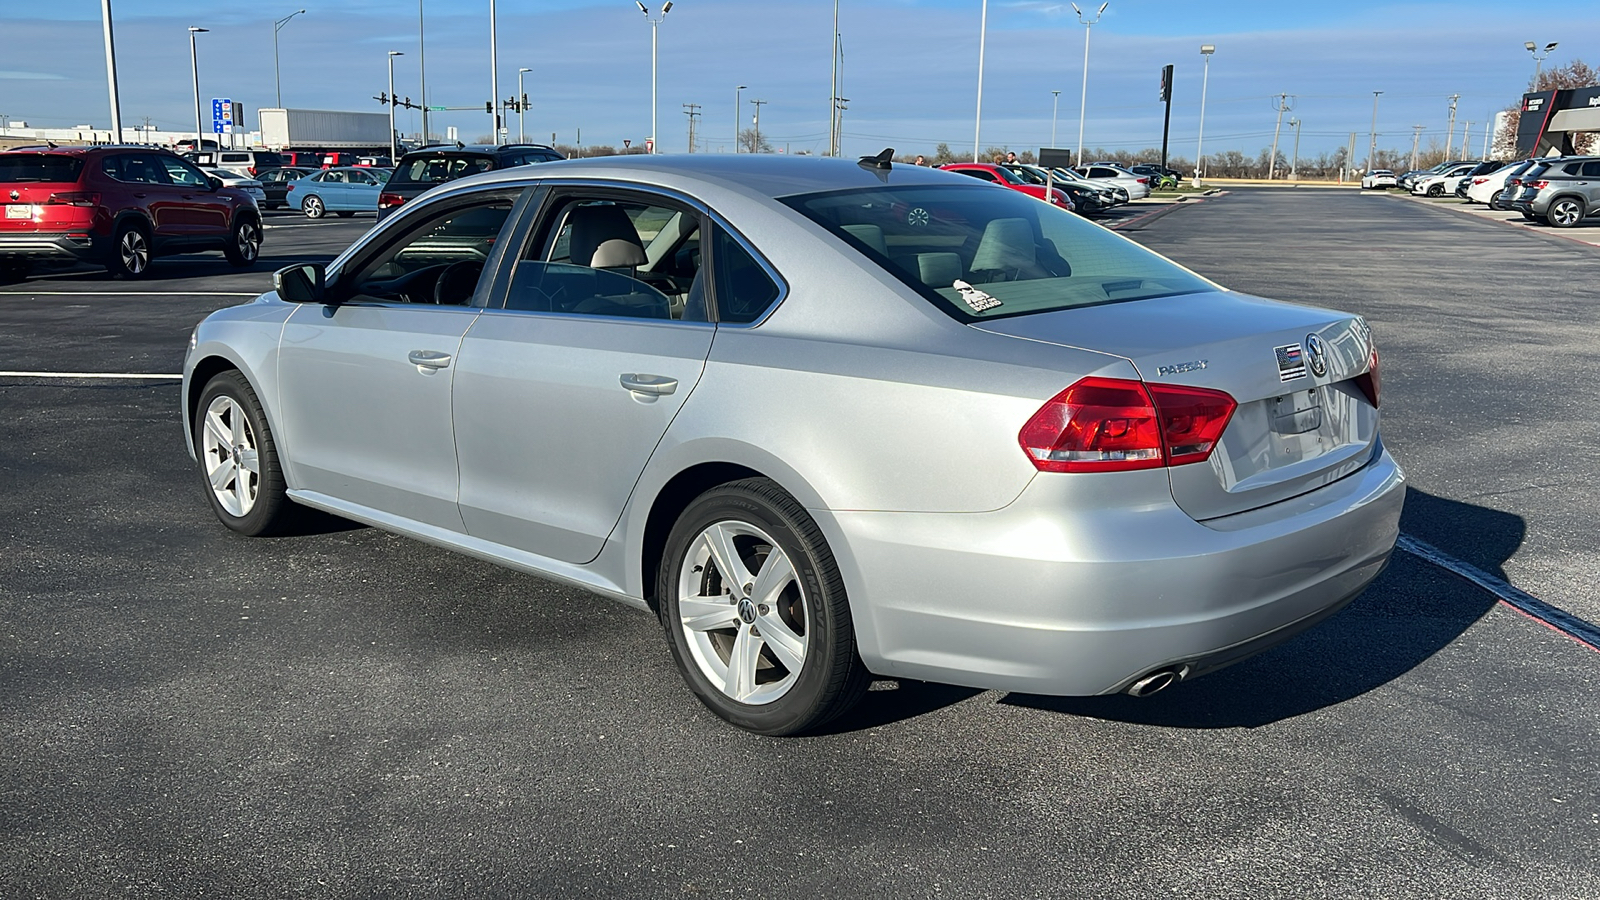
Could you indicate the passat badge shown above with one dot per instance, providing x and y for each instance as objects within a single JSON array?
[
  {"x": 1291, "y": 362},
  {"x": 1180, "y": 368},
  {"x": 1314, "y": 355}
]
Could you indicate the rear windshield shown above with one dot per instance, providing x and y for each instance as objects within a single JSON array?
[
  {"x": 268, "y": 160},
  {"x": 15, "y": 167},
  {"x": 439, "y": 169},
  {"x": 980, "y": 253}
]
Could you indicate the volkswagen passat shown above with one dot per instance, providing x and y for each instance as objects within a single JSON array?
[{"x": 825, "y": 419}]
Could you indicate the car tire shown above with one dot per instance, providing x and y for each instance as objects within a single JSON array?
[
  {"x": 1435, "y": 190},
  {"x": 130, "y": 251},
  {"x": 231, "y": 435},
  {"x": 244, "y": 243},
  {"x": 13, "y": 272},
  {"x": 771, "y": 649},
  {"x": 1567, "y": 212},
  {"x": 312, "y": 207},
  {"x": 1494, "y": 199}
]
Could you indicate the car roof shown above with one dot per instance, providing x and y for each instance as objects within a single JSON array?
[{"x": 765, "y": 174}]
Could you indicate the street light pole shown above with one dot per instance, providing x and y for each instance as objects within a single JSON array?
[
  {"x": 394, "y": 154},
  {"x": 111, "y": 73},
  {"x": 1372, "y": 148},
  {"x": 655, "y": 22},
  {"x": 494, "y": 78},
  {"x": 422, "y": 74},
  {"x": 522, "y": 108},
  {"x": 194, "y": 66},
  {"x": 1538, "y": 61},
  {"x": 1199, "y": 157},
  {"x": 977, "y": 120},
  {"x": 277, "y": 75},
  {"x": 833, "y": 94},
  {"x": 1083, "y": 103},
  {"x": 1294, "y": 160},
  {"x": 1055, "y": 112},
  {"x": 738, "y": 115}
]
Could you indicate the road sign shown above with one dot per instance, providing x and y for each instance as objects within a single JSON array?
[{"x": 222, "y": 118}]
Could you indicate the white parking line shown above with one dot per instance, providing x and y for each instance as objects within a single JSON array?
[
  {"x": 1551, "y": 617},
  {"x": 138, "y": 376}
]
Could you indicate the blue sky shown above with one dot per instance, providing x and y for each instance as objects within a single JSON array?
[{"x": 910, "y": 66}]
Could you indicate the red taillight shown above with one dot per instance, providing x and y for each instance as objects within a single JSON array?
[
  {"x": 1116, "y": 424},
  {"x": 1144, "y": 181},
  {"x": 1479, "y": 180},
  {"x": 1368, "y": 382},
  {"x": 1537, "y": 185},
  {"x": 73, "y": 198},
  {"x": 288, "y": 189},
  {"x": 387, "y": 200}
]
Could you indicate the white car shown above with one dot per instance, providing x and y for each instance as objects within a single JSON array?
[
  {"x": 1137, "y": 186},
  {"x": 1379, "y": 178},
  {"x": 244, "y": 183},
  {"x": 1485, "y": 187},
  {"x": 1444, "y": 183}
]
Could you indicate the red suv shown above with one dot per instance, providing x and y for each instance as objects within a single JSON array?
[
  {"x": 116, "y": 206},
  {"x": 1002, "y": 176}
]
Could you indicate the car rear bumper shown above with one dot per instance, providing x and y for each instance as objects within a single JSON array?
[
  {"x": 66, "y": 247},
  {"x": 1075, "y": 590}
]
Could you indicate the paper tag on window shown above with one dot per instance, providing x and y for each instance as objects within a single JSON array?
[{"x": 978, "y": 300}]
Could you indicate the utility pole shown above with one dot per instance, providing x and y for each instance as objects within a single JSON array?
[
  {"x": 1350, "y": 155},
  {"x": 692, "y": 110},
  {"x": 1450, "y": 133},
  {"x": 757, "y": 104},
  {"x": 1416, "y": 135},
  {"x": 1282, "y": 105},
  {"x": 1466, "y": 139},
  {"x": 833, "y": 93},
  {"x": 1294, "y": 160},
  {"x": 1372, "y": 149},
  {"x": 111, "y": 75}
]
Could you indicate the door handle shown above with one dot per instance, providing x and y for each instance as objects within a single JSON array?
[
  {"x": 641, "y": 383},
  {"x": 429, "y": 359},
  {"x": 141, "y": 196}
]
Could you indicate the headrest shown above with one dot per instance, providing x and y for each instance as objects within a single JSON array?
[{"x": 617, "y": 253}]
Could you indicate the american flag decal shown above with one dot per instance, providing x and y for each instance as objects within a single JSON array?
[{"x": 1291, "y": 362}]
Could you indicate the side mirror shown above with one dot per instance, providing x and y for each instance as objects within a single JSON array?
[
  {"x": 301, "y": 283},
  {"x": 213, "y": 181}
]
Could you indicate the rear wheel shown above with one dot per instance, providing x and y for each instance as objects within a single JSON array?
[
  {"x": 312, "y": 207},
  {"x": 13, "y": 272},
  {"x": 130, "y": 252},
  {"x": 1494, "y": 199},
  {"x": 244, "y": 245},
  {"x": 239, "y": 460},
  {"x": 1566, "y": 212},
  {"x": 755, "y": 611}
]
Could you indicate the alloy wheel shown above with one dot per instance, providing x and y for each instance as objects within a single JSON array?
[
  {"x": 229, "y": 452},
  {"x": 249, "y": 241},
  {"x": 133, "y": 251},
  {"x": 742, "y": 612},
  {"x": 1565, "y": 213}
]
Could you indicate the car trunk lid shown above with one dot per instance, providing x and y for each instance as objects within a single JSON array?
[
  {"x": 40, "y": 190},
  {"x": 1304, "y": 418}
]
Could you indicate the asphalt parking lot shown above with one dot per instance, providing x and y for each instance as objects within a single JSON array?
[{"x": 189, "y": 713}]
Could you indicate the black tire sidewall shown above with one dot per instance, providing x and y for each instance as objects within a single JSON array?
[
  {"x": 231, "y": 249},
  {"x": 816, "y": 696},
  {"x": 271, "y": 510},
  {"x": 114, "y": 260}
]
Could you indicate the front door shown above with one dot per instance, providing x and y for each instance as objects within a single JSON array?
[
  {"x": 562, "y": 395},
  {"x": 366, "y": 381}
]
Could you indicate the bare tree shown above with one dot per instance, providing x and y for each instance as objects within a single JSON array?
[{"x": 750, "y": 141}]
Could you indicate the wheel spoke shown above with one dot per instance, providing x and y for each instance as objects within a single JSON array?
[
  {"x": 707, "y": 613},
  {"x": 742, "y": 662},
  {"x": 788, "y": 647},
  {"x": 776, "y": 573},
  {"x": 726, "y": 557},
  {"x": 222, "y": 474},
  {"x": 218, "y": 430},
  {"x": 236, "y": 420},
  {"x": 250, "y": 461}
]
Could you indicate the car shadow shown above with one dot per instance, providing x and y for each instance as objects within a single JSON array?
[{"x": 1407, "y": 615}]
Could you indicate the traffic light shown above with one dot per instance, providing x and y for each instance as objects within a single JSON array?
[
  {"x": 524, "y": 102},
  {"x": 407, "y": 104},
  {"x": 488, "y": 107}
]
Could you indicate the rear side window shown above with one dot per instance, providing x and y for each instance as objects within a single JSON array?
[
  {"x": 744, "y": 289},
  {"x": 1591, "y": 169},
  {"x": 439, "y": 169},
  {"x": 19, "y": 167},
  {"x": 135, "y": 168}
]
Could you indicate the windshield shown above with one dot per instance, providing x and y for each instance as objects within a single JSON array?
[
  {"x": 15, "y": 167},
  {"x": 979, "y": 253}
]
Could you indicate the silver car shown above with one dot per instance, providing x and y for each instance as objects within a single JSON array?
[
  {"x": 827, "y": 420},
  {"x": 1137, "y": 186}
]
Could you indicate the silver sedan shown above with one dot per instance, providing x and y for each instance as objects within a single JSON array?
[{"x": 827, "y": 420}]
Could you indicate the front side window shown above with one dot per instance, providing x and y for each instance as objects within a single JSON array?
[
  {"x": 984, "y": 254},
  {"x": 627, "y": 256},
  {"x": 439, "y": 258},
  {"x": 183, "y": 174}
]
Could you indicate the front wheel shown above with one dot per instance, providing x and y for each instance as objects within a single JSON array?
[
  {"x": 312, "y": 207},
  {"x": 1566, "y": 212},
  {"x": 239, "y": 460},
  {"x": 244, "y": 244},
  {"x": 755, "y": 611},
  {"x": 1435, "y": 190}
]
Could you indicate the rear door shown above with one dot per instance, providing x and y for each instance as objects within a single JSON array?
[
  {"x": 1589, "y": 184},
  {"x": 563, "y": 394}
]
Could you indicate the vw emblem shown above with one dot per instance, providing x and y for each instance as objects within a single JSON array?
[
  {"x": 15, "y": 195},
  {"x": 1314, "y": 356},
  {"x": 747, "y": 611}
]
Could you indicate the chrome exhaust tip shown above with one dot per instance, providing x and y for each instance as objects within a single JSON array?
[{"x": 1155, "y": 681}]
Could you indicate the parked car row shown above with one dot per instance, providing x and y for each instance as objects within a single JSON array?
[
  {"x": 1088, "y": 190},
  {"x": 1560, "y": 191}
]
